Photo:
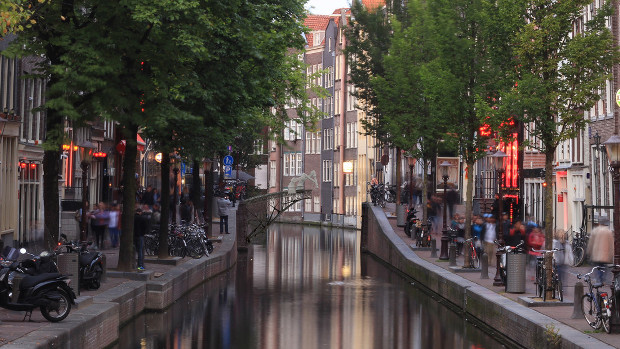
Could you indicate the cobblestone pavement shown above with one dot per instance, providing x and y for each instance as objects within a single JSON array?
[{"x": 560, "y": 312}]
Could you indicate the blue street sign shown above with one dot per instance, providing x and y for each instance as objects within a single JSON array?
[
  {"x": 228, "y": 160},
  {"x": 182, "y": 169},
  {"x": 227, "y": 171}
]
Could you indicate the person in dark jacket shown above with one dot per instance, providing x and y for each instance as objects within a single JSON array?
[{"x": 140, "y": 227}]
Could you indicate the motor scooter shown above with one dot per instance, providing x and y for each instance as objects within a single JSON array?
[
  {"x": 19, "y": 291},
  {"x": 91, "y": 263}
]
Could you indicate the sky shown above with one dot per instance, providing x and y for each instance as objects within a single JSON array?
[{"x": 326, "y": 7}]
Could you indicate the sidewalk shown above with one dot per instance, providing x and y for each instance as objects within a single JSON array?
[
  {"x": 38, "y": 330},
  {"x": 561, "y": 312}
]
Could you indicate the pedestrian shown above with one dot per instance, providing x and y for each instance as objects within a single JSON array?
[
  {"x": 114, "y": 225},
  {"x": 452, "y": 198},
  {"x": 148, "y": 198},
  {"x": 477, "y": 232},
  {"x": 156, "y": 217},
  {"x": 222, "y": 209},
  {"x": 187, "y": 210},
  {"x": 559, "y": 242},
  {"x": 601, "y": 247},
  {"x": 140, "y": 226},
  {"x": 156, "y": 197},
  {"x": 489, "y": 238},
  {"x": 100, "y": 218}
]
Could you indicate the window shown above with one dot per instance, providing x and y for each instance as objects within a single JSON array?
[
  {"x": 286, "y": 162},
  {"x": 337, "y": 102},
  {"x": 328, "y": 138},
  {"x": 337, "y": 136},
  {"x": 317, "y": 203},
  {"x": 327, "y": 171},
  {"x": 308, "y": 205},
  {"x": 272, "y": 173},
  {"x": 351, "y": 178},
  {"x": 352, "y": 135},
  {"x": 258, "y": 147},
  {"x": 299, "y": 164},
  {"x": 336, "y": 176},
  {"x": 350, "y": 97}
]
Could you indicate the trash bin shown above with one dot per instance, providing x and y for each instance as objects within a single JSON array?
[
  {"x": 401, "y": 215},
  {"x": 69, "y": 265},
  {"x": 515, "y": 272}
]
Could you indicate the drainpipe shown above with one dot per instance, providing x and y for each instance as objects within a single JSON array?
[{"x": 343, "y": 109}]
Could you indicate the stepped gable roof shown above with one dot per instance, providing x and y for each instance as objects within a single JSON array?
[
  {"x": 315, "y": 23},
  {"x": 372, "y": 5}
]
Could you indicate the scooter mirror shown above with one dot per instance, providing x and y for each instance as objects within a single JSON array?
[{"x": 22, "y": 250}]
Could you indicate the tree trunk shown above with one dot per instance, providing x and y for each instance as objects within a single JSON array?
[
  {"x": 165, "y": 205},
  {"x": 469, "y": 202},
  {"x": 549, "y": 157},
  {"x": 399, "y": 176},
  {"x": 195, "y": 194},
  {"x": 51, "y": 207},
  {"x": 208, "y": 211},
  {"x": 126, "y": 255}
]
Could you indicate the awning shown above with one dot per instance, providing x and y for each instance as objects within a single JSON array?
[{"x": 120, "y": 147}]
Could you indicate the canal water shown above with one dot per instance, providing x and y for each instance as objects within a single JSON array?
[{"x": 306, "y": 287}]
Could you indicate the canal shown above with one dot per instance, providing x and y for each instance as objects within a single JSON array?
[{"x": 306, "y": 287}]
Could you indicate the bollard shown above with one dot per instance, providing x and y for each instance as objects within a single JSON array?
[
  {"x": 484, "y": 266},
  {"x": 577, "y": 308},
  {"x": 433, "y": 248},
  {"x": 452, "y": 255}
]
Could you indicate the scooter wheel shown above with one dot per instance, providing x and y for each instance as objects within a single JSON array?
[{"x": 56, "y": 310}]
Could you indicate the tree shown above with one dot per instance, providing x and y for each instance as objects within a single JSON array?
[
  {"x": 559, "y": 74},
  {"x": 412, "y": 93},
  {"x": 141, "y": 64},
  {"x": 473, "y": 40}
]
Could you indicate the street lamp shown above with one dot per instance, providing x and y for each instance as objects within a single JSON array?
[
  {"x": 175, "y": 162},
  {"x": 445, "y": 167},
  {"x": 498, "y": 164},
  {"x": 86, "y": 154}
]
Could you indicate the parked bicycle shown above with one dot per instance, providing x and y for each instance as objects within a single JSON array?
[
  {"x": 579, "y": 245},
  {"x": 474, "y": 259},
  {"x": 377, "y": 194},
  {"x": 183, "y": 240},
  {"x": 390, "y": 193},
  {"x": 596, "y": 305},
  {"x": 541, "y": 276}
]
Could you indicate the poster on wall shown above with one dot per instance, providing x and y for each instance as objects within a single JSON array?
[{"x": 454, "y": 172}]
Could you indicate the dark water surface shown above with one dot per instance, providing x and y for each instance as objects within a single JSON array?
[{"x": 306, "y": 287}]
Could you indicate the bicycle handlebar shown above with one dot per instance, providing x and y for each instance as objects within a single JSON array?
[
  {"x": 547, "y": 251},
  {"x": 591, "y": 271}
]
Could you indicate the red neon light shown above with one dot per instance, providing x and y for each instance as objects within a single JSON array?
[
  {"x": 66, "y": 147},
  {"x": 22, "y": 165},
  {"x": 511, "y": 162},
  {"x": 33, "y": 166}
]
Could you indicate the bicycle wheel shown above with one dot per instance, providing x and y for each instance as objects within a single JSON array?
[
  {"x": 578, "y": 256},
  {"x": 605, "y": 320},
  {"x": 557, "y": 289},
  {"x": 589, "y": 311},
  {"x": 474, "y": 259}
]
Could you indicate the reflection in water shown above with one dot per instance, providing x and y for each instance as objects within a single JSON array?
[{"x": 307, "y": 287}]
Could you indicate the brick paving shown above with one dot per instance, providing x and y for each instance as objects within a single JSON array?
[{"x": 560, "y": 313}]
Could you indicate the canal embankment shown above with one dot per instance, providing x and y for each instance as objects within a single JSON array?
[
  {"x": 98, "y": 316},
  {"x": 522, "y": 325}
]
